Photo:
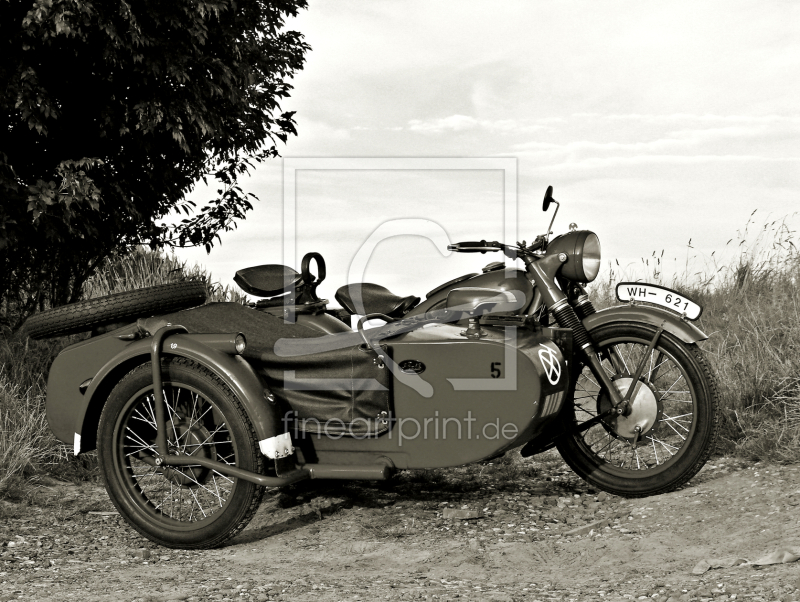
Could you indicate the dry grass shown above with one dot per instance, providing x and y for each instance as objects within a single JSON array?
[
  {"x": 26, "y": 443},
  {"x": 145, "y": 268}
]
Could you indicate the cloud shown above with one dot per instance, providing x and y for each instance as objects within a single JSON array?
[
  {"x": 598, "y": 162},
  {"x": 667, "y": 139},
  {"x": 461, "y": 123},
  {"x": 684, "y": 117}
]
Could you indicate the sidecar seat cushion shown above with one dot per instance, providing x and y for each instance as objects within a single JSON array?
[
  {"x": 375, "y": 298},
  {"x": 267, "y": 280}
]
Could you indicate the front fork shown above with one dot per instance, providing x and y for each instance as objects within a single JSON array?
[{"x": 543, "y": 273}]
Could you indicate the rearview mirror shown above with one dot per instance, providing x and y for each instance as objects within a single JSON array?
[{"x": 548, "y": 197}]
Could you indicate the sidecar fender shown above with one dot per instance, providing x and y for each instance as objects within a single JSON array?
[
  {"x": 83, "y": 411},
  {"x": 672, "y": 323}
]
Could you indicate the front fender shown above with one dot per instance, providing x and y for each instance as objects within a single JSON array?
[
  {"x": 672, "y": 323},
  {"x": 234, "y": 371}
]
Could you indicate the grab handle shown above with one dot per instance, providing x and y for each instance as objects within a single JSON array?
[{"x": 360, "y": 326}]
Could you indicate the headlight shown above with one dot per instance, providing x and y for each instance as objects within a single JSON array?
[
  {"x": 591, "y": 257},
  {"x": 241, "y": 343},
  {"x": 582, "y": 249}
]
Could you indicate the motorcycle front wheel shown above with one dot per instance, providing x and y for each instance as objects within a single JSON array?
[
  {"x": 672, "y": 428},
  {"x": 186, "y": 506}
]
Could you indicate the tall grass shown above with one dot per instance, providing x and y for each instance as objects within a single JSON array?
[
  {"x": 25, "y": 440},
  {"x": 26, "y": 444},
  {"x": 145, "y": 268},
  {"x": 751, "y": 312}
]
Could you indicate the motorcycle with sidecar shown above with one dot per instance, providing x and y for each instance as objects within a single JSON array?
[{"x": 195, "y": 408}]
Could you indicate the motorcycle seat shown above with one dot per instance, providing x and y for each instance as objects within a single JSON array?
[
  {"x": 267, "y": 280},
  {"x": 376, "y": 299}
]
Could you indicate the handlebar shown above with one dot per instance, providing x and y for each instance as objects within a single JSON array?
[
  {"x": 510, "y": 251},
  {"x": 475, "y": 247}
]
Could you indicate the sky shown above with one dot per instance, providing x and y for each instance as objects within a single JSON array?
[{"x": 656, "y": 123}]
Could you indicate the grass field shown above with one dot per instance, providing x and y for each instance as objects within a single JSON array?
[{"x": 751, "y": 313}]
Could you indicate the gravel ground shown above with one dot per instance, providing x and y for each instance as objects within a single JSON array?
[{"x": 543, "y": 534}]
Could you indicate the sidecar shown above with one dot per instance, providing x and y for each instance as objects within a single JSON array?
[{"x": 209, "y": 402}]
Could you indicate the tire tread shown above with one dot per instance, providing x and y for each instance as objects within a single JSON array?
[{"x": 130, "y": 305}]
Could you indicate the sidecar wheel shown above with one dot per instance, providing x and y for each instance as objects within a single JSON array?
[
  {"x": 181, "y": 507},
  {"x": 127, "y": 306},
  {"x": 675, "y": 406}
]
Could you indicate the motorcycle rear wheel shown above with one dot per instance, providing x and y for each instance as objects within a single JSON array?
[
  {"x": 181, "y": 507},
  {"x": 675, "y": 405}
]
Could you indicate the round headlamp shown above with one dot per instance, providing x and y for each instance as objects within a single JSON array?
[
  {"x": 591, "y": 257},
  {"x": 582, "y": 248}
]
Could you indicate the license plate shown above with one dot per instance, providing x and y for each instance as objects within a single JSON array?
[{"x": 665, "y": 297}]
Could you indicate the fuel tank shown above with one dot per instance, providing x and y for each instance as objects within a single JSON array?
[{"x": 501, "y": 279}]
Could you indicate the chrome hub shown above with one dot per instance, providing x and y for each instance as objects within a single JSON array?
[{"x": 645, "y": 410}]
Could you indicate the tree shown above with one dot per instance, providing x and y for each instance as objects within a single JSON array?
[{"x": 113, "y": 110}]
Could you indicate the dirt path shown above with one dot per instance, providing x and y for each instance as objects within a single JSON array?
[{"x": 543, "y": 537}]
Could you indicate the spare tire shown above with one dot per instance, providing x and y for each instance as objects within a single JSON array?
[{"x": 127, "y": 306}]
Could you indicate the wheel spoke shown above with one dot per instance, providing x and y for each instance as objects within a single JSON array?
[
  {"x": 655, "y": 451},
  {"x": 622, "y": 357},
  {"x": 653, "y": 375},
  {"x": 219, "y": 474},
  {"x": 139, "y": 416},
  {"x": 216, "y": 488},
  {"x": 666, "y": 446},
  {"x": 138, "y": 439},
  {"x": 673, "y": 419},
  {"x": 172, "y": 416},
  {"x": 591, "y": 380},
  {"x": 198, "y": 505},
  {"x": 669, "y": 424}
]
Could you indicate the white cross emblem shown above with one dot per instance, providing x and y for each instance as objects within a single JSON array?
[{"x": 550, "y": 364}]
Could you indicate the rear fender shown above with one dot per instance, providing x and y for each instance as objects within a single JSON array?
[
  {"x": 672, "y": 323},
  {"x": 233, "y": 370}
]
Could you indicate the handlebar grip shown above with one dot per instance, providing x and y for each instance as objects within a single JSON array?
[{"x": 475, "y": 247}]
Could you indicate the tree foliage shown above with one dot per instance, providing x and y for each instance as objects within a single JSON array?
[{"x": 113, "y": 110}]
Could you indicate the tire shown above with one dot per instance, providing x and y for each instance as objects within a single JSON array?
[
  {"x": 676, "y": 438},
  {"x": 128, "y": 306},
  {"x": 182, "y": 507}
]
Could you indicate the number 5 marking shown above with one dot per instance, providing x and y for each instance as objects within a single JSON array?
[{"x": 496, "y": 369}]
